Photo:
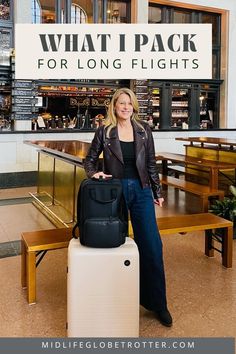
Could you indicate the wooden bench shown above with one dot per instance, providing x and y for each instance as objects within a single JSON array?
[
  {"x": 187, "y": 171},
  {"x": 177, "y": 170},
  {"x": 203, "y": 222},
  {"x": 194, "y": 174},
  {"x": 34, "y": 245},
  {"x": 212, "y": 166},
  {"x": 204, "y": 192}
]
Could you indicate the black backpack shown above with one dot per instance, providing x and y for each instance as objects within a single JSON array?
[{"x": 101, "y": 213}]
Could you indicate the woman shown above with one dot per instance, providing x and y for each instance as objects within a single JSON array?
[{"x": 128, "y": 154}]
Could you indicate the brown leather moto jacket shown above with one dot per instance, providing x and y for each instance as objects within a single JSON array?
[{"x": 113, "y": 159}]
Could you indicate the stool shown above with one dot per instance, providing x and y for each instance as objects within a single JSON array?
[{"x": 35, "y": 244}]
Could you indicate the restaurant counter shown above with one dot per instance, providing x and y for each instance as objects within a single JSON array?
[{"x": 60, "y": 172}]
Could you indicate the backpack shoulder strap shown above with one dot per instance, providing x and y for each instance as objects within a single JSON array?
[{"x": 76, "y": 226}]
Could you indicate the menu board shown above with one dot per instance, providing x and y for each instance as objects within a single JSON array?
[
  {"x": 141, "y": 90},
  {"x": 26, "y": 101},
  {"x": 23, "y": 100},
  {"x": 25, "y": 84},
  {"x": 21, "y": 109},
  {"x": 24, "y": 116}
]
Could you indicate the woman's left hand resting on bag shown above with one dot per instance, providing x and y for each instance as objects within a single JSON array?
[
  {"x": 101, "y": 174},
  {"x": 159, "y": 201}
]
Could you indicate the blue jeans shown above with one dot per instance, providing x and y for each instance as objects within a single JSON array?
[{"x": 140, "y": 204}]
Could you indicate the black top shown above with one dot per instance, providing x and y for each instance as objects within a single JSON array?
[{"x": 128, "y": 152}]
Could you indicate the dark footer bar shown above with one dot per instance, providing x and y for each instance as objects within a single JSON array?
[{"x": 118, "y": 345}]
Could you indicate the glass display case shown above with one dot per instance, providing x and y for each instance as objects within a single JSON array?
[
  {"x": 209, "y": 114},
  {"x": 180, "y": 108},
  {"x": 155, "y": 104},
  {"x": 74, "y": 106},
  {"x": 183, "y": 105}
]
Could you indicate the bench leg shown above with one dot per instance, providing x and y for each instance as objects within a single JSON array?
[
  {"x": 204, "y": 204},
  {"x": 227, "y": 247},
  {"x": 209, "y": 251},
  {"x": 23, "y": 265},
  {"x": 164, "y": 167},
  {"x": 31, "y": 277}
]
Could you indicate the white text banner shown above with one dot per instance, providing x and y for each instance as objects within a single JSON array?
[{"x": 101, "y": 51}]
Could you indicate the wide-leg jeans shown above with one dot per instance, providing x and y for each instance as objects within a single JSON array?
[{"x": 140, "y": 204}]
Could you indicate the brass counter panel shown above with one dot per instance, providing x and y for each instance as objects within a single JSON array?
[
  {"x": 193, "y": 173},
  {"x": 227, "y": 156},
  {"x": 79, "y": 177},
  {"x": 45, "y": 174},
  {"x": 226, "y": 177},
  {"x": 64, "y": 187},
  {"x": 211, "y": 154},
  {"x": 49, "y": 212},
  {"x": 60, "y": 173},
  {"x": 202, "y": 153},
  {"x": 58, "y": 184}
]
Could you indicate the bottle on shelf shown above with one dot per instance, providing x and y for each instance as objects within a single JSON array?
[
  {"x": 60, "y": 123},
  {"x": 65, "y": 122},
  {"x": 53, "y": 123},
  {"x": 34, "y": 125},
  {"x": 184, "y": 125},
  {"x": 56, "y": 121}
]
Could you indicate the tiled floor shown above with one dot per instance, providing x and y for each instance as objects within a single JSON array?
[
  {"x": 16, "y": 192},
  {"x": 201, "y": 293},
  {"x": 17, "y": 215}
]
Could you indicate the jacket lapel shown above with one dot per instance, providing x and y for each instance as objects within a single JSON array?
[
  {"x": 139, "y": 139},
  {"x": 113, "y": 144}
]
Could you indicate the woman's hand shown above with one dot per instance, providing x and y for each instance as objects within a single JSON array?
[
  {"x": 101, "y": 174},
  {"x": 159, "y": 201}
]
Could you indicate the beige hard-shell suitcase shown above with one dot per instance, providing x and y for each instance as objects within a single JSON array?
[{"x": 103, "y": 291}]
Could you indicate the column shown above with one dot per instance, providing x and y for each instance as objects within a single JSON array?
[
  {"x": 139, "y": 11},
  {"x": 22, "y": 11}
]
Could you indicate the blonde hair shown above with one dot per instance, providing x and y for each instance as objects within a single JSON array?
[{"x": 111, "y": 119}]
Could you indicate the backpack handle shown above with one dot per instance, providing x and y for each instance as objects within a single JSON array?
[
  {"x": 102, "y": 201},
  {"x": 101, "y": 179}
]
